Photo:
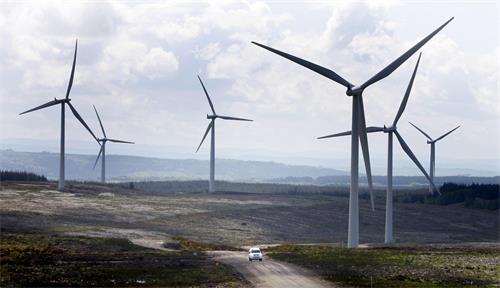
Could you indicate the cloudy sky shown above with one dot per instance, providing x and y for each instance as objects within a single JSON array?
[{"x": 138, "y": 61}]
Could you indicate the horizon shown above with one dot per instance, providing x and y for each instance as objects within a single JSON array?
[{"x": 446, "y": 169}]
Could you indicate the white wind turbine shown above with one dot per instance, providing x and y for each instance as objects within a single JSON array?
[
  {"x": 433, "y": 149},
  {"x": 358, "y": 124},
  {"x": 211, "y": 126},
  {"x": 63, "y": 102},
  {"x": 390, "y": 131},
  {"x": 102, "y": 151}
]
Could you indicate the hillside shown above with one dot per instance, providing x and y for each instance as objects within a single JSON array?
[
  {"x": 134, "y": 168},
  {"x": 128, "y": 168}
]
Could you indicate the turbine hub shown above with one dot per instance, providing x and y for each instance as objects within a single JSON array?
[
  {"x": 211, "y": 116},
  {"x": 354, "y": 91},
  {"x": 389, "y": 129}
]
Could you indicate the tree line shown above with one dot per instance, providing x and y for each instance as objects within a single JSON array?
[
  {"x": 479, "y": 196},
  {"x": 6, "y": 175}
]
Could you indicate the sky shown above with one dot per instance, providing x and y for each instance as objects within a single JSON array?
[{"x": 138, "y": 62}]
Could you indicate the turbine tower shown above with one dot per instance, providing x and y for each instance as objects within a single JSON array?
[
  {"x": 358, "y": 127},
  {"x": 211, "y": 126},
  {"x": 432, "y": 142},
  {"x": 63, "y": 102},
  {"x": 390, "y": 131},
  {"x": 102, "y": 151}
]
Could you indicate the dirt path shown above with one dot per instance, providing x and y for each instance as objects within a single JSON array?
[{"x": 269, "y": 272}]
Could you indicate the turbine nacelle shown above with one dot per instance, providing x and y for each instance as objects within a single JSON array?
[
  {"x": 389, "y": 129},
  {"x": 211, "y": 117},
  {"x": 59, "y": 101},
  {"x": 354, "y": 90}
]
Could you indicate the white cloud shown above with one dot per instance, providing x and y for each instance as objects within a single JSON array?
[
  {"x": 158, "y": 63},
  {"x": 147, "y": 55},
  {"x": 126, "y": 61},
  {"x": 208, "y": 52}
]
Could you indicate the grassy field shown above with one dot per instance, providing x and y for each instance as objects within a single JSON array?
[
  {"x": 417, "y": 266},
  {"x": 229, "y": 218},
  {"x": 70, "y": 238},
  {"x": 49, "y": 260}
]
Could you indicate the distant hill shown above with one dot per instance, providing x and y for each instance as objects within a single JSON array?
[{"x": 134, "y": 168}]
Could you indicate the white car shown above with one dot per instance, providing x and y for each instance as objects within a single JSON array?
[{"x": 254, "y": 254}]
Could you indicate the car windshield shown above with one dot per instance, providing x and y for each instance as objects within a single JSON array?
[{"x": 255, "y": 251}]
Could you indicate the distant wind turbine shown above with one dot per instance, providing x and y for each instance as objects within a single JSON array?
[
  {"x": 358, "y": 123},
  {"x": 433, "y": 148},
  {"x": 102, "y": 151},
  {"x": 390, "y": 130},
  {"x": 64, "y": 101},
  {"x": 211, "y": 126}
]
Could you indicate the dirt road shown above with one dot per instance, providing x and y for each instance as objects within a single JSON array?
[{"x": 269, "y": 273}]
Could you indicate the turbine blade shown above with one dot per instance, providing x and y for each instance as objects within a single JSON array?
[
  {"x": 421, "y": 131},
  {"x": 396, "y": 63},
  {"x": 205, "y": 136},
  {"x": 208, "y": 97},
  {"x": 407, "y": 94},
  {"x": 335, "y": 135},
  {"x": 412, "y": 156},
  {"x": 98, "y": 155},
  {"x": 363, "y": 139},
  {"x": 81, "y": 120},
  {"x": 48, "y": 104},
  {"x": 100, "y": 123},
  {"x": 233, "y": 118},
  {"x": 370, "y": 129},
  {"x": 314, "y": 67},
  {"x": 120, "y": 141},
  {"x": 446, "y": 134},
  {"x": 70, "y": 84}
]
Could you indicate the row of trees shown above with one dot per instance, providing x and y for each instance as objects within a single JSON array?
[
  {"x": 20, "y": 176},
  {"x": 480, "y": 196}
]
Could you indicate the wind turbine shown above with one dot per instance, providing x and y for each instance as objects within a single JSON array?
[
  {"x": 102, "y": 151},
  {"x": 358, "y": 123},
  {"x": 433, "y": 148},
  {"x": 63, "y": 102},
  {"x": 211, "y": 126},
  {"x": 390, "y": 131}
]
